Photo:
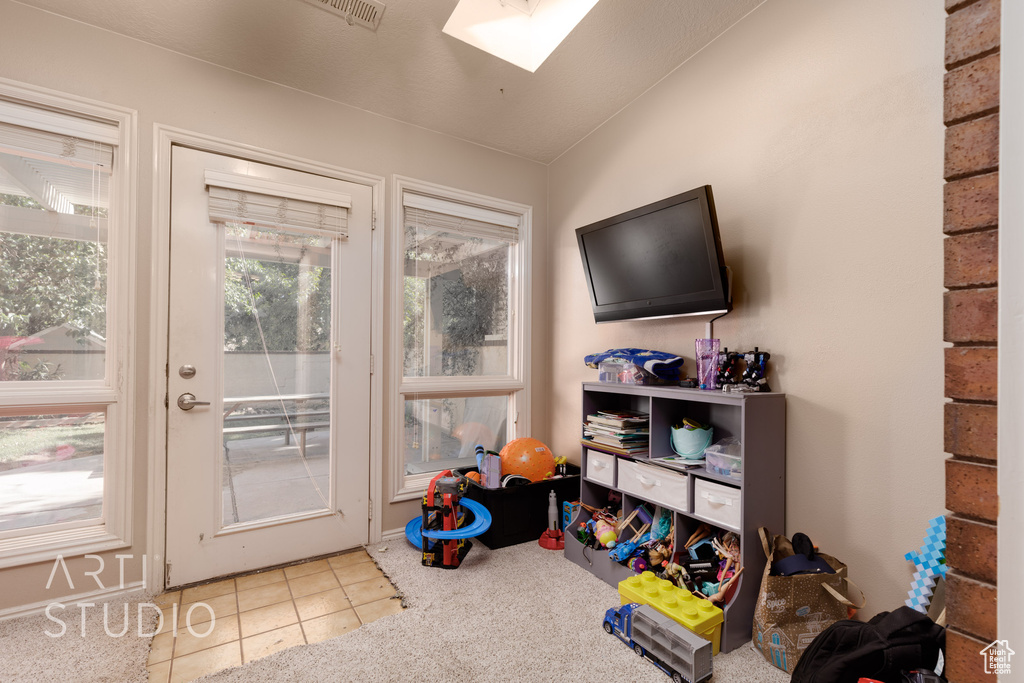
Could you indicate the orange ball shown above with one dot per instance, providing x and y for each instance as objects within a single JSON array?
[
  {"x": 527, "y": 457},
  {"x": 475, "y": 476}
]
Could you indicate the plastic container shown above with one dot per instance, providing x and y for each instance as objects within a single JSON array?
[
  {"x": 725, "y": 458},
  {"x": 623, "y": 372},
  {"x": 725, "y": 465}
]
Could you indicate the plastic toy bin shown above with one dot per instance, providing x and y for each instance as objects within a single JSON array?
[{"x": 520, "y": 513}]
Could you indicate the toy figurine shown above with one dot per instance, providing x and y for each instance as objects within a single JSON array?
[
  {"x": 755, "y": 374},
  {"x": 605, "y": 532},
  {"x": 728, "y": 368}
]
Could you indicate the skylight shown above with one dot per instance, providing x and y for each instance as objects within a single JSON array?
[{"x": 522, "y": 32}]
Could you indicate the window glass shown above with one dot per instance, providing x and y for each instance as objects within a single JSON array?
[
  {"x": 456, "y": 304},
  {"x": 442, "y": 433},
  {"x": 53, "y": 270},
  {"x": 51, "y": 469}
]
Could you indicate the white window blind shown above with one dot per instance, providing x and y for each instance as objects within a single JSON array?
[
  {"x": 461, "y": 219},
  {"x": 247, "y": 199},
  {"x": 56, "y": 138}
]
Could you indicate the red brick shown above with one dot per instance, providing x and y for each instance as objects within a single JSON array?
[
  {"x": 971, "y": 259},
  {"x": 971, "y": 89},
  {"x": 971, "y": 315},
  {"x": 972, "y": 31},
  {"x": 971, "y": 203},
  {"x": 972, "y": 147},
  {"x": 964, "y": 663},
  {"x": 971, "y": 430},
  {"x": 971, "y": 489},
  {"x": 971, "y": 606},
  {"x": 971, "y": 373},
  {"x": 971, "y": 548}
]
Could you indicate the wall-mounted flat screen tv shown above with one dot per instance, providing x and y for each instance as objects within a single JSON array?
[{"x": 663, "y": 259}]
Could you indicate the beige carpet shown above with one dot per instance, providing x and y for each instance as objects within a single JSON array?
[
  {"x": 28, "y": 654},
  {"x": 516, "y": 614}
]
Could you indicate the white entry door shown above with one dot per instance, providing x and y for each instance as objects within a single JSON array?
[{"x": 268, "y": 442}]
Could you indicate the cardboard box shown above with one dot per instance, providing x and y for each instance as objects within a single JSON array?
[{"x": 520, "y": 513}]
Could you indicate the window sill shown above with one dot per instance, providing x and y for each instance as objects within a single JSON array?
[{"x": 45, "y": 547}]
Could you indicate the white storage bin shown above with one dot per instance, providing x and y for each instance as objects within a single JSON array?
[
  {"x": 601, "y": 467},
  {"x": 655, "y": 484},
  {"x": 717, "y": 503}
]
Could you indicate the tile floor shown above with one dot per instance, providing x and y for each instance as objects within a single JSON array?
[{"x": 258, "y": 614}]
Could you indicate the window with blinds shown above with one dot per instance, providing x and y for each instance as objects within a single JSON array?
[
  {"x": 462, "y": 347},
  {"x": 64, "y": 294}
]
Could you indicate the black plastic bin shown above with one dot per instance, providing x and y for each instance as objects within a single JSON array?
[{"x": 520, "y": 513}]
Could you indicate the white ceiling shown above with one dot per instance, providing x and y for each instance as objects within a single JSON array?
[{"x": 410, "y": 71}]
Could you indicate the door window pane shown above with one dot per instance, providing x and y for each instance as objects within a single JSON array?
[
  {"x": 442, "y": 433},
  {"x": 51, "y": 469},
  {"x": 456, "y": 304},
  {"x": 277, "y": 370}
]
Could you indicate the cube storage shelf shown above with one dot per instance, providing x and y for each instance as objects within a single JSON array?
[{"x": 757, "y": 498}]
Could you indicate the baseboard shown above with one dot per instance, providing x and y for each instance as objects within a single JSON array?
[
  {"x": 393, "y": 534},
  {"x": 101, "y": 595}
]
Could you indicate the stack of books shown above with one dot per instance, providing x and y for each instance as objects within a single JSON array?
[{"x": 625, "y": 432}]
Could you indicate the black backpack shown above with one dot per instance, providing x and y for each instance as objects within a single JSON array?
[{"x": 881, "y": 648}]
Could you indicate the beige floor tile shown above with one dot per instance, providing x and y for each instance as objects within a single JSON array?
[
  {"x": 219, "y": 607},
  {"x": 368, "y": 591},
  {"x": 202, "y": 637},
  {"x": 270, "y": 642},
  {"x": 159, "y": 673},
  {"x": 314, "y": 567},
  {"x": 349, "y": 559},
  {"x": 358, "y": 572},
  {"x": 268, "y": 618},
  {"x": 372, "y": 611},
  {"x": 244, "y": 583},
  {"x": 209, "y": 590},
  {"x": 264, "y": 595},
  {"x": 313, "y": 583},
  {"x": 191, "y": 667},
  {"x": 161, "y": 648},
  {"x": 168, "y": 618},
  {"x": 330, "y": 625},
  {"x": 312, "y": 606},
  {"x": 166, "y": 599}
]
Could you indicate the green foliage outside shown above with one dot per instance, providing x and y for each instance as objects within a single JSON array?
[
  {"x": 46, "y": 282},
  {"x": 293, "y": 303}
]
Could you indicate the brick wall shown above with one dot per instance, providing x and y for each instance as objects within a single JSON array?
[{"x": 971, "y": 201}]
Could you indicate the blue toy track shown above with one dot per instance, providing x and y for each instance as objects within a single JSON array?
[{"x": 415, "y": 534}]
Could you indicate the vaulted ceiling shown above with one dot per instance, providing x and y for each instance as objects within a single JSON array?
[{"x": 410, "y": 71}]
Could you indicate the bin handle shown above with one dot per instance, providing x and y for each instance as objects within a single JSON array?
[
  {"x": 648, "y": 482},
  {"x": 599, "y": 464},
  {"x": 716, "y": 499}
]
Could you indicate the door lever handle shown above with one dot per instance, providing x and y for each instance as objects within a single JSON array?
[{"x": 188, "y": 401}]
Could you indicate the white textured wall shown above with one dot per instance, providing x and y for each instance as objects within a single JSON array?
[
  {"x": 819, "y": 126},
  {"x": 164, "y": 87}
]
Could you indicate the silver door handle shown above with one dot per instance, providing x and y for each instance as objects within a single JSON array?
[{"x": 188, "y": 401}]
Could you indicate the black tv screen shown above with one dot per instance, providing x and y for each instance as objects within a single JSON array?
[{"x": 660, "y": 260}]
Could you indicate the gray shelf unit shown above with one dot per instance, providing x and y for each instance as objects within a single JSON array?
[{"x": 757, "y": 419}]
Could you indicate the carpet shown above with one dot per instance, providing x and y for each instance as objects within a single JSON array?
[
  {"x": 520, "y": 613},
  {"x": 28, "y": 654}
]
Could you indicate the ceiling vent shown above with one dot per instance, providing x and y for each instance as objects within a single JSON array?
[{"x": 363, "y": 12}]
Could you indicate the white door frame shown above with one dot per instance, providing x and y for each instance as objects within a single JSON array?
[
  {"x": 164, "y": 137},
  {"x": 1010, "y": 404}
]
